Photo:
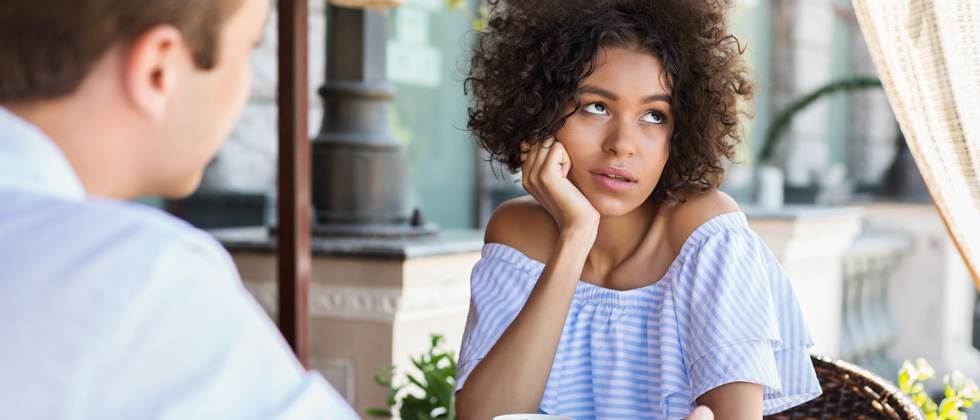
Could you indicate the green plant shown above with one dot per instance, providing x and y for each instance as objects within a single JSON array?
[
  {"x": 426, "y": 397},
  {"x": 479, "y": 22},
  {"x": 782, "y": 120},
  {"x": 960, "y": 392}
]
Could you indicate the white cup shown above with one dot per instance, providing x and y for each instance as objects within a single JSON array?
[{"x": 531, "y": 417}]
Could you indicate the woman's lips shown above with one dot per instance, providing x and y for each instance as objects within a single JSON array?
[{"x": 613, "y": 178}]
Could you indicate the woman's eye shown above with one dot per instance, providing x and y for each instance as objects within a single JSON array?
[
  {"x": 598, "y": 109},
  {"x": 654, "y": 117}
]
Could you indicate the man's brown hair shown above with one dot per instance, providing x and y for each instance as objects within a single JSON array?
[{"x": 47, "y": 47}]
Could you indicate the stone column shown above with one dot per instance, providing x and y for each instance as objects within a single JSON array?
[
  {"x": 802, "y": 62},
  {"x": 359, "y": 165},
  {"x": 372, "y": 302}
]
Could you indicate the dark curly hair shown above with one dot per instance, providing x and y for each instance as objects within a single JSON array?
[{"x": 527, "y": 66}]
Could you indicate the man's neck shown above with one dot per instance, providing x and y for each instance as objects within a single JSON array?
[{"x": 88, "y": 135}]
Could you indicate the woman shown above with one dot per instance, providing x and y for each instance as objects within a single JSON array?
[{"x": 625, "y": 285}]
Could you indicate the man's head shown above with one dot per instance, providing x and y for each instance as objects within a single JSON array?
[
  {"x": 148, "y": 87},
  {"x": 48, "y": 46}
]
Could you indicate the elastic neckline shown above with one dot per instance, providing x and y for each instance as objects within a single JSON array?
[{"x": 719, "y": 223}]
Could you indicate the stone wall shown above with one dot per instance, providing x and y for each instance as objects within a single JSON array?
[
  {"x": 804, "y": 51},
  {"x": 247, "y": 161},
  {"x": 873, "y": 130},
  {"x": 802, "y": 42}
]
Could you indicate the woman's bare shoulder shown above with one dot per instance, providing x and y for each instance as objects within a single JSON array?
[
  {"x": 686, "y": 217},
  {"x": 524, "y": 225}
]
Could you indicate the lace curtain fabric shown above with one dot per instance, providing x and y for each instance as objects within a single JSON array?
[{"x": 927, "y": 53}]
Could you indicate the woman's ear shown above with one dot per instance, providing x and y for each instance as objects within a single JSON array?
[{"x": 156, "y": 63}]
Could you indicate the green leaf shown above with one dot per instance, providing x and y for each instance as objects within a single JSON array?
[
  {"x": 924, "y": 402},
  {"x": 436, "y": 338},
  {"x": 925, "y": 370},
  {"x": 384, "y": 374},
  {"x": 377, "y": 412},
  {"x": 905, "y": 375},
  {"x": 781, "y": 121},
  {"x": 415, "y": 381},
  {"x": 428, "y": 394},
  {"x": 483, "y": 23},
  {"x": 949, "y": 408},
  {"x": 970, "y": 392}
]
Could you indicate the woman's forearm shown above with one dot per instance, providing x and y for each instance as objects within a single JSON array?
[
  {"x": 735, "y": 401},
  {"x": 512, "y": 376}
]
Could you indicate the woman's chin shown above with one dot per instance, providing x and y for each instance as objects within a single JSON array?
[{"x": 609, "y": 209}]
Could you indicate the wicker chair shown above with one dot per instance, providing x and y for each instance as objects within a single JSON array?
[{"x": 852, "y": 392}]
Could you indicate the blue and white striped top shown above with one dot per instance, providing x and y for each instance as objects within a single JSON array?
[{"x": 724, "y": 312}]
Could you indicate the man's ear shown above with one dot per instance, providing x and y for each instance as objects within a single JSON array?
[{"x": 156, "y": 63}]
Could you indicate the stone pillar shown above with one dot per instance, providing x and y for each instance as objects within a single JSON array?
[
  {"x": 873, "y": 130},
  {"x": 373, "y": 302},
  {"x": 359, "y": 166},
  {"x": 247, "y": 161},
  {"x": 802, "y": 62},
  {"x": 810, "y": 243}
]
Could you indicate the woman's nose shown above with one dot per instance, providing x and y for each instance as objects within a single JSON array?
[{"x": 621, "y": 138}]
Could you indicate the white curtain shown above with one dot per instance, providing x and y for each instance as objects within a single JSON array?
[{"x": 927, "y": 53}]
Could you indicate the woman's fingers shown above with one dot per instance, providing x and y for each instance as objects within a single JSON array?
[
  {"x": 530, "y": 160},
  {"x": 557, "y": 158},
  {"x": 541, "y": 152},
  {"x": 527, "y": 166},
  {"x": 545, "y": 167}
]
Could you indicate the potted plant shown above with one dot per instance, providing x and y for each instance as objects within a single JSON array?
[
  {"x": 782, "y": 120},
  {"x": 959, "y": 391},
  {"x": 427, "y": 395}
]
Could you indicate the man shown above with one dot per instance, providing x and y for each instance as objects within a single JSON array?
[{"x": 111, "y": 310}]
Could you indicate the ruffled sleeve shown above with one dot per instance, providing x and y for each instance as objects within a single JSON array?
[
  {"x": 500, "y": 283},
  {"x": 739, "y": 321}
]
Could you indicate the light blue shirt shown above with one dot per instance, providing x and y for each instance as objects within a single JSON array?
[
  {"x": 112, "y": 310},
  {"x": 724, "y": 312}
]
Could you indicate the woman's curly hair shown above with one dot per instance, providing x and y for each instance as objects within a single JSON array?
[{"x": 527, "y": 66}]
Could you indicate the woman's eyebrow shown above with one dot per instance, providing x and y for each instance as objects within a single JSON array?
[
  {"x": 655, "y": 98},
  {"x": 598, "y": 92},
  {"x": 612, "y": 96}
]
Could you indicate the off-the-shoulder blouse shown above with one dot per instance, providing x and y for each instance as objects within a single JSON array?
[{"x": 724, "y": 312}]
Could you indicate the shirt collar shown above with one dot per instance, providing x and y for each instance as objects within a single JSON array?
[{"x": 31, "y": 161}]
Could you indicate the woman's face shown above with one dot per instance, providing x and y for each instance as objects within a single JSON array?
[{"x": 618, "y": 139}]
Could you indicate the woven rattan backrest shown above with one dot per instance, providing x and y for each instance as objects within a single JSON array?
[{"x": 852, "y": 392}]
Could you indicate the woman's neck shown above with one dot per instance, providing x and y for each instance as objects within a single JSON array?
[{"x": 618, "y": 239}]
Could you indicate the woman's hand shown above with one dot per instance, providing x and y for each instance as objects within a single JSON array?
[
  {"x": 512, "y": 377},
  {"x": 545, "y": 169}
]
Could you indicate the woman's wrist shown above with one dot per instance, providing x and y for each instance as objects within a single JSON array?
[{"x": 579, "y": 235}]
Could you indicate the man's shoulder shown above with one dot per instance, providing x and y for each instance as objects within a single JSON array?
[
  {"x": 139, "y": 231},
  {"x": 135, "y": 223},
  {"x": 88, "y": 274},
  {"x": 122, "y": 240}
]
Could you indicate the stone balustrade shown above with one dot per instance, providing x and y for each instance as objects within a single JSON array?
[{"x": 868, "y": 327}]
